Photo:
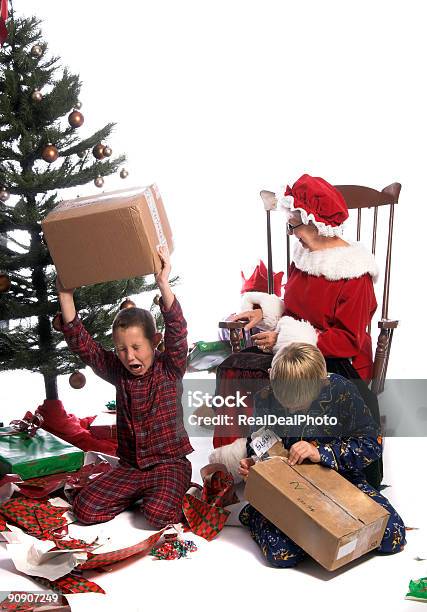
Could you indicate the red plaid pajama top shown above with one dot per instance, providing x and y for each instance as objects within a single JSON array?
[{"x": 150, "y": 428}]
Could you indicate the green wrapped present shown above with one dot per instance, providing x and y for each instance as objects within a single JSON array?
[
  {"x": 207, "y": 355},
  {"x": 417, "y": 590},
  {"x": 39, "y": 455}
]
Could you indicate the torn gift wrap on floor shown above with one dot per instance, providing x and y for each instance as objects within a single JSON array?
[{"x": 417, "y": 590}]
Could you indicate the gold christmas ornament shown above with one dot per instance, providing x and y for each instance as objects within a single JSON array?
[
  {"x": 78, "y": 105},
  {"x": 124, "y": 173},
  {"x": 77, "y": 380},
  {"x": 76, "y": 119},
  {"x": 36, "y": 51},
  {"x": 98, "y": 151},
  {"x": 107, "y": 151},
  {"x": 127, "y": 304},
  {"x": 156, "y": 300},
  {"x": 37, "y": 96},
  {"x": 5, "y": 283},
  {"x": 4, "y": 194},
  {"x": 50, "y": 153},
  {"x": 99, "y": 181}
]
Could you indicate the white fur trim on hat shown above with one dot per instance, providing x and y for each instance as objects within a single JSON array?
[
  {"x": 230, "y": 456},
  {"x": 272, "y": 307},
  {"x": 287, "y": 203},
  {"x": 291, "y": 330},
  {"x": 336, "y": 263}
]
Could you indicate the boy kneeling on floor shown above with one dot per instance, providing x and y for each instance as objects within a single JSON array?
[
  {"x": 300, "y": 385},
  {"x": 153, "y": 468}
]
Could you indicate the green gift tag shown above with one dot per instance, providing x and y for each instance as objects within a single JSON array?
[{"x": 40, "y": 455}]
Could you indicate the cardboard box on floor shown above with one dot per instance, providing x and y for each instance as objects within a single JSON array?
[
  {"x": 106, "y": 237},
  {"x": 326, "y": 515}
]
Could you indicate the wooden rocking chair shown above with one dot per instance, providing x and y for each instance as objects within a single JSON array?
[{"x": 357, "y": 198}]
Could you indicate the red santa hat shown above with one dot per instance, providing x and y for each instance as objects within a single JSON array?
[
  {"x": 258, "y": 281},
  {"x": 317, "y": 201}
]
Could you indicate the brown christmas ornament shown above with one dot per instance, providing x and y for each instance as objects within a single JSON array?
[
  {"x": 77, "y": 380},
  {"x": 107, "y": 151},
  {"x": 5, "y": 283},
  {"x": 36, "y": 51},
  {"x": 4, "y": 194},
  {"x": 99, "y": 181},
  {"x": 98, "y": 151},
  {"x": 124, "y": 173},
  {"x": 57, "y": 321},
  {"x": 50, "y": 153},
  {"x": 156, "y": 300},
  {"x": 76, "y": 119},
  {"x": 161, "y": 346},
  {"x": 127, "y": 304},
  {"x": 37, "y": 96}
]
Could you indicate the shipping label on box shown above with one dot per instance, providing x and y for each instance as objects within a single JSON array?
[
  {"x": 107, "y": 237},
  {"x": 325, "y": 514}
]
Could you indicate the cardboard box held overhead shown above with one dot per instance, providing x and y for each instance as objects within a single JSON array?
[
  {"x": 107, "y": 237},
  {"x": 326, "y": 515}
]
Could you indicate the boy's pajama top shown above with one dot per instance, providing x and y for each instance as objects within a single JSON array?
[{"x": 152, "y": 441}]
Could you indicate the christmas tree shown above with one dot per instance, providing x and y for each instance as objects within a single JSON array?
[{"x": 41, "y": 154}]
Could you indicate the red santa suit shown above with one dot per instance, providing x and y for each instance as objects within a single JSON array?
[{"x": 329, "y": 301}]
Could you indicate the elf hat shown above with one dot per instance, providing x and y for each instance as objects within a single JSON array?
[
  {"x": 258, "y": 281},
  {"x": 318, "y": 201}
]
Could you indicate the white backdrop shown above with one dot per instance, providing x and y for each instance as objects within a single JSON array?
[{"x": 217, "y": 100}]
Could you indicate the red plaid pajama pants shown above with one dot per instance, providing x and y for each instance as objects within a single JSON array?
[{"x": 160, "y": 488}]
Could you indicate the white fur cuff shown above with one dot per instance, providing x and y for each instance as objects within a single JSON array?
[
  {"x": 230, "y": 456},
  {"x": 271, "y": 305},
  {"x": 291, "y": 330}
]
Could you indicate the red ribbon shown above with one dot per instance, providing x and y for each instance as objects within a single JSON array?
[{"x": 3, "y": 17}]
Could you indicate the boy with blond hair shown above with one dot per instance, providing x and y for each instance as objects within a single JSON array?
[{"x": 300, "y": 385}]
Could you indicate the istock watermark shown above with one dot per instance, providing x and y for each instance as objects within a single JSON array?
[{"x": 197, "y": 399}]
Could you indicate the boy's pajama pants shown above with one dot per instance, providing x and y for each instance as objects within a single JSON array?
[
  {"x": 281, "y": 551},
  {"x": 161, "y": 487}
]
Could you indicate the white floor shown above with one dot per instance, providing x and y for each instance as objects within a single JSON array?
[{"x": 229, "y": 573}]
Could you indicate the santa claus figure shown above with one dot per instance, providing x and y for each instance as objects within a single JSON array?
[{"x": 329, "y": 297}]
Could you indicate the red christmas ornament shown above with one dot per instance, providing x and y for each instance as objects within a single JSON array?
[
  {"x": 5, "y": 283},
  {"x": 76, "y": 119},
  {"x": 77, "y": 380},
  {"x": 57, "y": 321},
  {"x": 50, "y": 153},
  {"x": 3, "y": 17},
  {"x": 98, "y": 151},
  {"x": 127, "y": 304}
]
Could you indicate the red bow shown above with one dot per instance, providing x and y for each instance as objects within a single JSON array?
[{"x": 3, "y": 17}]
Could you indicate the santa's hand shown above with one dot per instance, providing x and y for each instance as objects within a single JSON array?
[
  {"x": 303, "y": 450},
  {"x": 265, "y": 340},
  {"x": 255, "y": 316}
]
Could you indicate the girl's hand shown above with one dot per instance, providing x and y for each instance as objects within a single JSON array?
[
  {"x": 245, "y": 465},
  {"x": 303, "y": 450},
  {"x": 255, "y": 316},
  {"x": 163, "y": 276},
  {"x": 265, "y": 340}
]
